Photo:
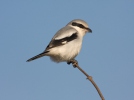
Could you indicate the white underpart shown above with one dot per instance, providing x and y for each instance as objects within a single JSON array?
[{"x": 66, "y": 52}]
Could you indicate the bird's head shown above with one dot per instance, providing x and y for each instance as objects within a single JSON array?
[{"x": 80, "y": 25}]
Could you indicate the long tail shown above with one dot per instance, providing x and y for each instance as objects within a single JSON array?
[{"x": 37, "y": 56}]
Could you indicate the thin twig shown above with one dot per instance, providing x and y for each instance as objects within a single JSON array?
[{"x": 75, "y": 64}]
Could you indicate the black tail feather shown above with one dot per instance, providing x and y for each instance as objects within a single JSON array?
[{"x": 37, "y": 56}]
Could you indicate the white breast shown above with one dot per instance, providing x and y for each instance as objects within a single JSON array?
[{"x": 66, "y": 52}]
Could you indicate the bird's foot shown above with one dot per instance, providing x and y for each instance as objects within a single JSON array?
[{"x": 74, "y": 63}]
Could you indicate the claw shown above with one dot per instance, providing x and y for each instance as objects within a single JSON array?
[
  {"x": 74, "y": 62},
  {"x": 68, "y": 62}
]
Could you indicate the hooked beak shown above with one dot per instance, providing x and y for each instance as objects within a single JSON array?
[{"x": 89, "y": 30}]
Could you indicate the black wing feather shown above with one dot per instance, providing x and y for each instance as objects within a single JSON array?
[{"x": 63, "y": 41}]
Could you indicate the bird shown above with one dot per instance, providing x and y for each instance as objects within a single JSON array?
[{"x": 66, "y": 43}]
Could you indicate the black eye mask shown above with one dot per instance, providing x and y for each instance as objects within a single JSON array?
[
  {"x": 78, "y": 25},
  {"x": 81, "y": 26}
]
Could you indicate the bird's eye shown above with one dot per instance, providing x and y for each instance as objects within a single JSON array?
[{"x": 81, "y": 26}]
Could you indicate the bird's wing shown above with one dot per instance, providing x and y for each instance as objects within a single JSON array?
[{"x": 62, "y": 37}]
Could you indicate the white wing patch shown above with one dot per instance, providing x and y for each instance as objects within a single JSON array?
[{"x": 64, "y": 42}]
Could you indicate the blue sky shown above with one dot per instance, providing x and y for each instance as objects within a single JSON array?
[{"x": 27, "y": 26}]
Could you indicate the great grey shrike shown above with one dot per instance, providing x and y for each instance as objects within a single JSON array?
[{"x": 66, "y": 43}]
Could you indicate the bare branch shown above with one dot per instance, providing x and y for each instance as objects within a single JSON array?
[{"x": 75, "y": 65}]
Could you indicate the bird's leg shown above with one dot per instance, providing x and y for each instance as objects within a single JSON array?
[{"x": 74, "y": 62}]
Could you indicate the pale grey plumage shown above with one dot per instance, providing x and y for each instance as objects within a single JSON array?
[{"x": 66, "y": 43}]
